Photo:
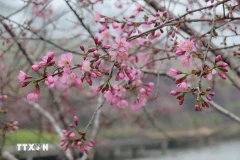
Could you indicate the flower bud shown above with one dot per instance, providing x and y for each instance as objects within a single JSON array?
[
  {"x": 174, "y": 93},
  {"x": 222, "y": 75},
  {"x": 24, "y": 84},
  {"x": 82, "y": 48},
  {"x": 75, "y": 118},
  {"x": 218, "y": 58},
  {"x": 35, "y": 68}
]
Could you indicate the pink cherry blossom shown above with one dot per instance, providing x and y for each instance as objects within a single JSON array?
[
  {"x": 187, "y": 46},
  {"x": 174, "y": 72},
  {"x": 49, "y": 81},
  {"x": 47, "y": 60},
  {"x": 210, "y": 75},
  {"x": 33, "y": 96},
  {"x": 182, "y": 86},
  {"x": 65, "y": 60},
  {"x": 114, "y": 96},
  {"x": 121, "y": 42},
  {"x": 22, "y": 76},
  {"x": 186, "y": 61},
  {"x": 86, "y": 66},
  {"x": 97, "y": 16}
]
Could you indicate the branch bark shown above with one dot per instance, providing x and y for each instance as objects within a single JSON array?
[{"x": 216, "y": 106}]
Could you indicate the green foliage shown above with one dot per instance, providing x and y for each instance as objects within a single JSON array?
[{"x": 30, "y": 136}]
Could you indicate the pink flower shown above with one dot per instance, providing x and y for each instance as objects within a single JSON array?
[
  {"x": 23, "y": 76},
  {"x": 114, "y": 96},
  {"x": 48, "y": 59},
  {"x": 49, "y": 81},
  {"x": 97, "y": 16},
  {"x": 187, "y": 46},
  {"x": 65, "y": 60},
  {"x": 182, "y": 86},
  {"x": 186, "y": 61},
  {"x": 209, "y": 75},
  {"x": 33, "y": 96},
  {"x": 86, "y": 66},
  {"x": 174, "y": 72},
  {"x": 121, "y": 42},
  {"x": 119, "y": 56},
  {"x": 122, "y": 103}
]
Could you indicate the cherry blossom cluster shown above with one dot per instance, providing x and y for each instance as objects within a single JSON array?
[
  {"x": 66, "y": 73},
  {"x": 42, "y": 12},
  {"x": 183, "y": 87},
  {"x": 130, "y": 27},
  {"x": 76, "y": 139},
  {"x": 11, "y": 126}
]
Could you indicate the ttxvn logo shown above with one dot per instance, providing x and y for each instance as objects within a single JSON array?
[{"x": 32, "y": 147}]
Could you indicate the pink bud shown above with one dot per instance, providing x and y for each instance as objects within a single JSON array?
[
  {"x": 222, "y": 75},
  {"x": 209, "y": 89},
  {"x": 99, "y": 88},
  {"x": 212, "y": 94},
  {"x": 71, "y": 125},
  {"x": 79, "y": 143},
  {"x": 143, "y": 91},
  {"x": 72, "y": 135},
  {"x": 206, "y": 104},
  {"x": 15, "y": 123},
  {"x": 77, "y": 82},
  {"x": 174, "y": 93},
  {"x": 24, "y": 84},
  {"x": 23, "y": 76},
  {"x": 179, "y": 52},
  {"x": 218, "y": 58},
  {"x": 95, "y": 53},
  {"x": 150, "y": 85},
  {"x": 50, "y": 56},
  {"x": 99, "y": 74},
  {"x": 15, "y": 128},
  {"x": 209, "y": 98},
  {"x": 75, "y": 118},
  {"x": 89, "y": 80},
  {"x": 82, "y": 48},
  {"x": 91, "y": 49},
  {"x": 198, "y": 108},
  {"x": 93, "y": 74},
  {"x": 63, "y": 142},
  {"x": 223, "y": 64},
  {"x": 115, "y": 25},
  {"x": 35, "y": 68},
  {"x": 174, "y": 72},
  {"x": 42, "y": 64},
  {"x": 107, "y": 46}
]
